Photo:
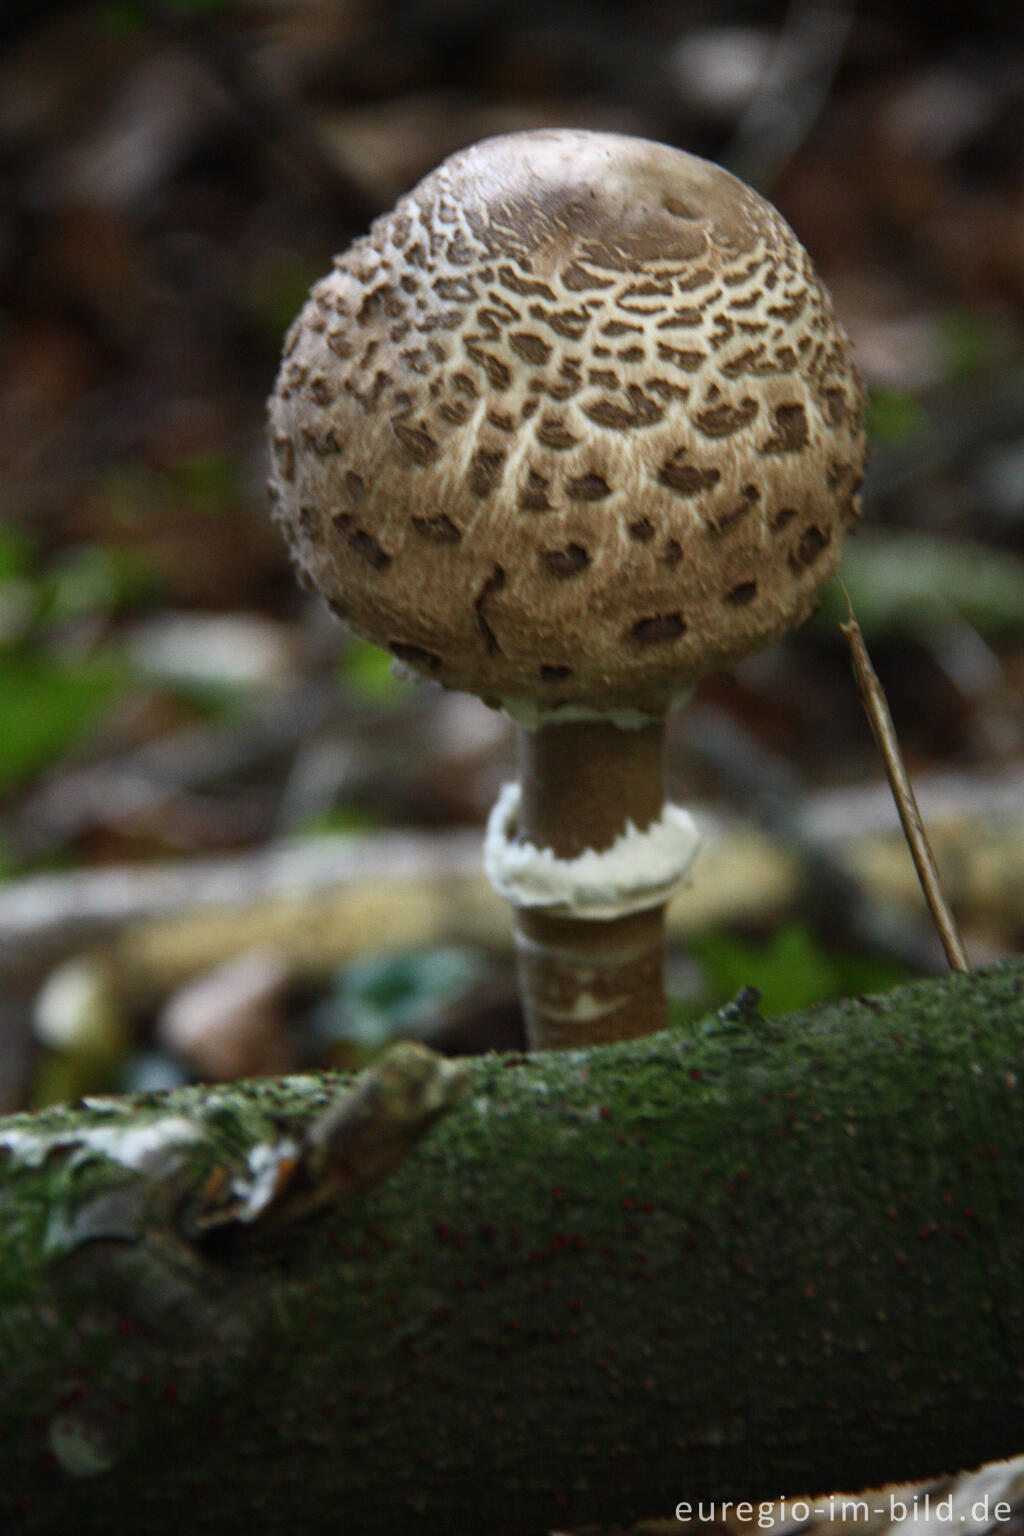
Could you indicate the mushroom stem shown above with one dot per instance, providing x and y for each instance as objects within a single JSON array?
[
  {"x": 587, "y": 980},
  {"x": 584, "y": 982},
  {"x": 581, "y": 783}
]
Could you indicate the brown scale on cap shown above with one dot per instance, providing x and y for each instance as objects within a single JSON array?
[{"x": 561, "y": 356}]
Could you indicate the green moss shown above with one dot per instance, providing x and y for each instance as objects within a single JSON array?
[{"x": 751, "y": 1257}]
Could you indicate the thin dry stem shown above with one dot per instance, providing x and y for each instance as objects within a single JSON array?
[{"x": 877, "y": 710}]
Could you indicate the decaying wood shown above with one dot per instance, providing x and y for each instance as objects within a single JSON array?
[{"x": 751, "y": 1258}]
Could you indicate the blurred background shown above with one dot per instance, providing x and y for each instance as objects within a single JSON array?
[{"x": 230, "y": 841}]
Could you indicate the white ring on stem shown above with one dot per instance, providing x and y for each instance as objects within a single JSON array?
[{"x": 639, "y": 870}]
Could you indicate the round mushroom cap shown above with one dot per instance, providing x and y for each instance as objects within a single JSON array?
[{"x": 572, "y": 426}]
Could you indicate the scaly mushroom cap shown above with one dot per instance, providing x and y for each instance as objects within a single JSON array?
[{"x": 571, "y": 427}]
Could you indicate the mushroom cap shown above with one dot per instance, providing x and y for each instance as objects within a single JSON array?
[{"x": 572, "y": 426}]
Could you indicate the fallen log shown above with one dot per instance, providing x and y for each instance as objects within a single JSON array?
[{"x": 749, "y": 1258}]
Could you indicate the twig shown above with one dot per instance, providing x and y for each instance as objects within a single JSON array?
[
  {"x": 877, "y": 710},
  {"x": 835, "y": 899}
]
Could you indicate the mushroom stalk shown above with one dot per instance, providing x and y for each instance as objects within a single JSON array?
[
  {"x": 583, "y": 785},
  {"x": 583, "y": 781}
]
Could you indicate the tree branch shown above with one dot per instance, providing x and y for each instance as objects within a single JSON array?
[{"x": 756, "y": 1258}]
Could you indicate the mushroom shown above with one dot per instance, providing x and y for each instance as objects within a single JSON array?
[{"x": 573, "y": 426}]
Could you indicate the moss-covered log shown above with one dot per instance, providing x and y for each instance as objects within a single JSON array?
[{"x": 749, "y": 1259}]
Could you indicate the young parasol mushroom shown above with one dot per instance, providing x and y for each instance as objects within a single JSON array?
[{"x": 573, "y": 426}]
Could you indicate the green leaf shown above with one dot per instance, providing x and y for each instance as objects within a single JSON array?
[
  {"x": 100, "y": 579},
  {"x": 367, "y": 671},
  {"x": 124, "y": 18},
  {"x": 46, "y": 705},
  {"x": 793, "y": 969},
  {"x": 894, "y": 416},
  {"x": 208, "y": 481},
  {"x": 277, "y": 291},
  {"x": 972, "y": 342},
  {"x": 340, "y": 820},
  {"x": 910, "y": 580},
  {"x": 16, "y": 552}
]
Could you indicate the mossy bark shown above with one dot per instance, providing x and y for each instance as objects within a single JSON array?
[{"x": 748, "y": 1259}]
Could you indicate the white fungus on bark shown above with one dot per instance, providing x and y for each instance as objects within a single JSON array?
[{"x": 149, "y": 1147}]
